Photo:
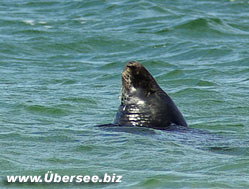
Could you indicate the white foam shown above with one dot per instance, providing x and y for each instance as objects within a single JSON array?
[
  {"x": 48, "y": 27},
  {"x": 30, "y": 22},
  {"x": 42, "y": 22}
]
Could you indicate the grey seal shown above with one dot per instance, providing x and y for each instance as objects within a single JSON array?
[{"x": 144, "y": 103}]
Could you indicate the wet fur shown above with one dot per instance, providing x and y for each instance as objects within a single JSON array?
[{"x": 144, "y": 103}]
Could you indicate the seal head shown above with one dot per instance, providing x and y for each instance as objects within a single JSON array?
[{"x": 143, "y": 102}]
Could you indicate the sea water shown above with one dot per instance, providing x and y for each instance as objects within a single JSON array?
[{"x": 60, "y": 75}]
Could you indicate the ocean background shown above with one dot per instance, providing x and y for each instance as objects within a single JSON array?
[{"x": 60, "y": 76}]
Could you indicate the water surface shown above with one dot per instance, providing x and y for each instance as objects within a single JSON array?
[{"x": 60, "y": 66}]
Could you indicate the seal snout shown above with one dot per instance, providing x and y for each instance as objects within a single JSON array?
[
  {"x": 131, "y": 68},
  {"x": 133, "y": 64},
  {"x": 128, "y": 73}
]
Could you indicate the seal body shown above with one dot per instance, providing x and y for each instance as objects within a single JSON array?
[{"x": 144, "y": 103}]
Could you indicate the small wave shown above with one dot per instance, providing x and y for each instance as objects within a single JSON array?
[
  {"x": 198, "y": 92},
  {"x": 41, "y": 3},
  {"x": 6, "y": 162},
  {"x": 9, "y": 135},
  {"x": 48, "y": 27},
  {"x": 188, "y": 82},
  {"x": 85, "y": 148},
  {"x": 62, "y": 81},
  {"x": 150, "y": 183},
  {"x": 112, "y": 65},
  {"x": 158, "y": 64},
  {"x": 42, "y": 22},
  {"x": 209, "y": 26},
  {"x": 230, "y": 150},
  {"x": 79, "y": 100},
  {"x": 29, "y": 22},
  {"x": 45, "y": 110},
  {"x": 174, "y": 74},
  {"x": 206, "y": 83},
  {"x": 199, "y": 23},
  {"x": 30, "y": 32},
  {"x": 55, "y": 138}
]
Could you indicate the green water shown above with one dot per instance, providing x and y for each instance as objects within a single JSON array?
[{"x": 60, "y": 66}]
